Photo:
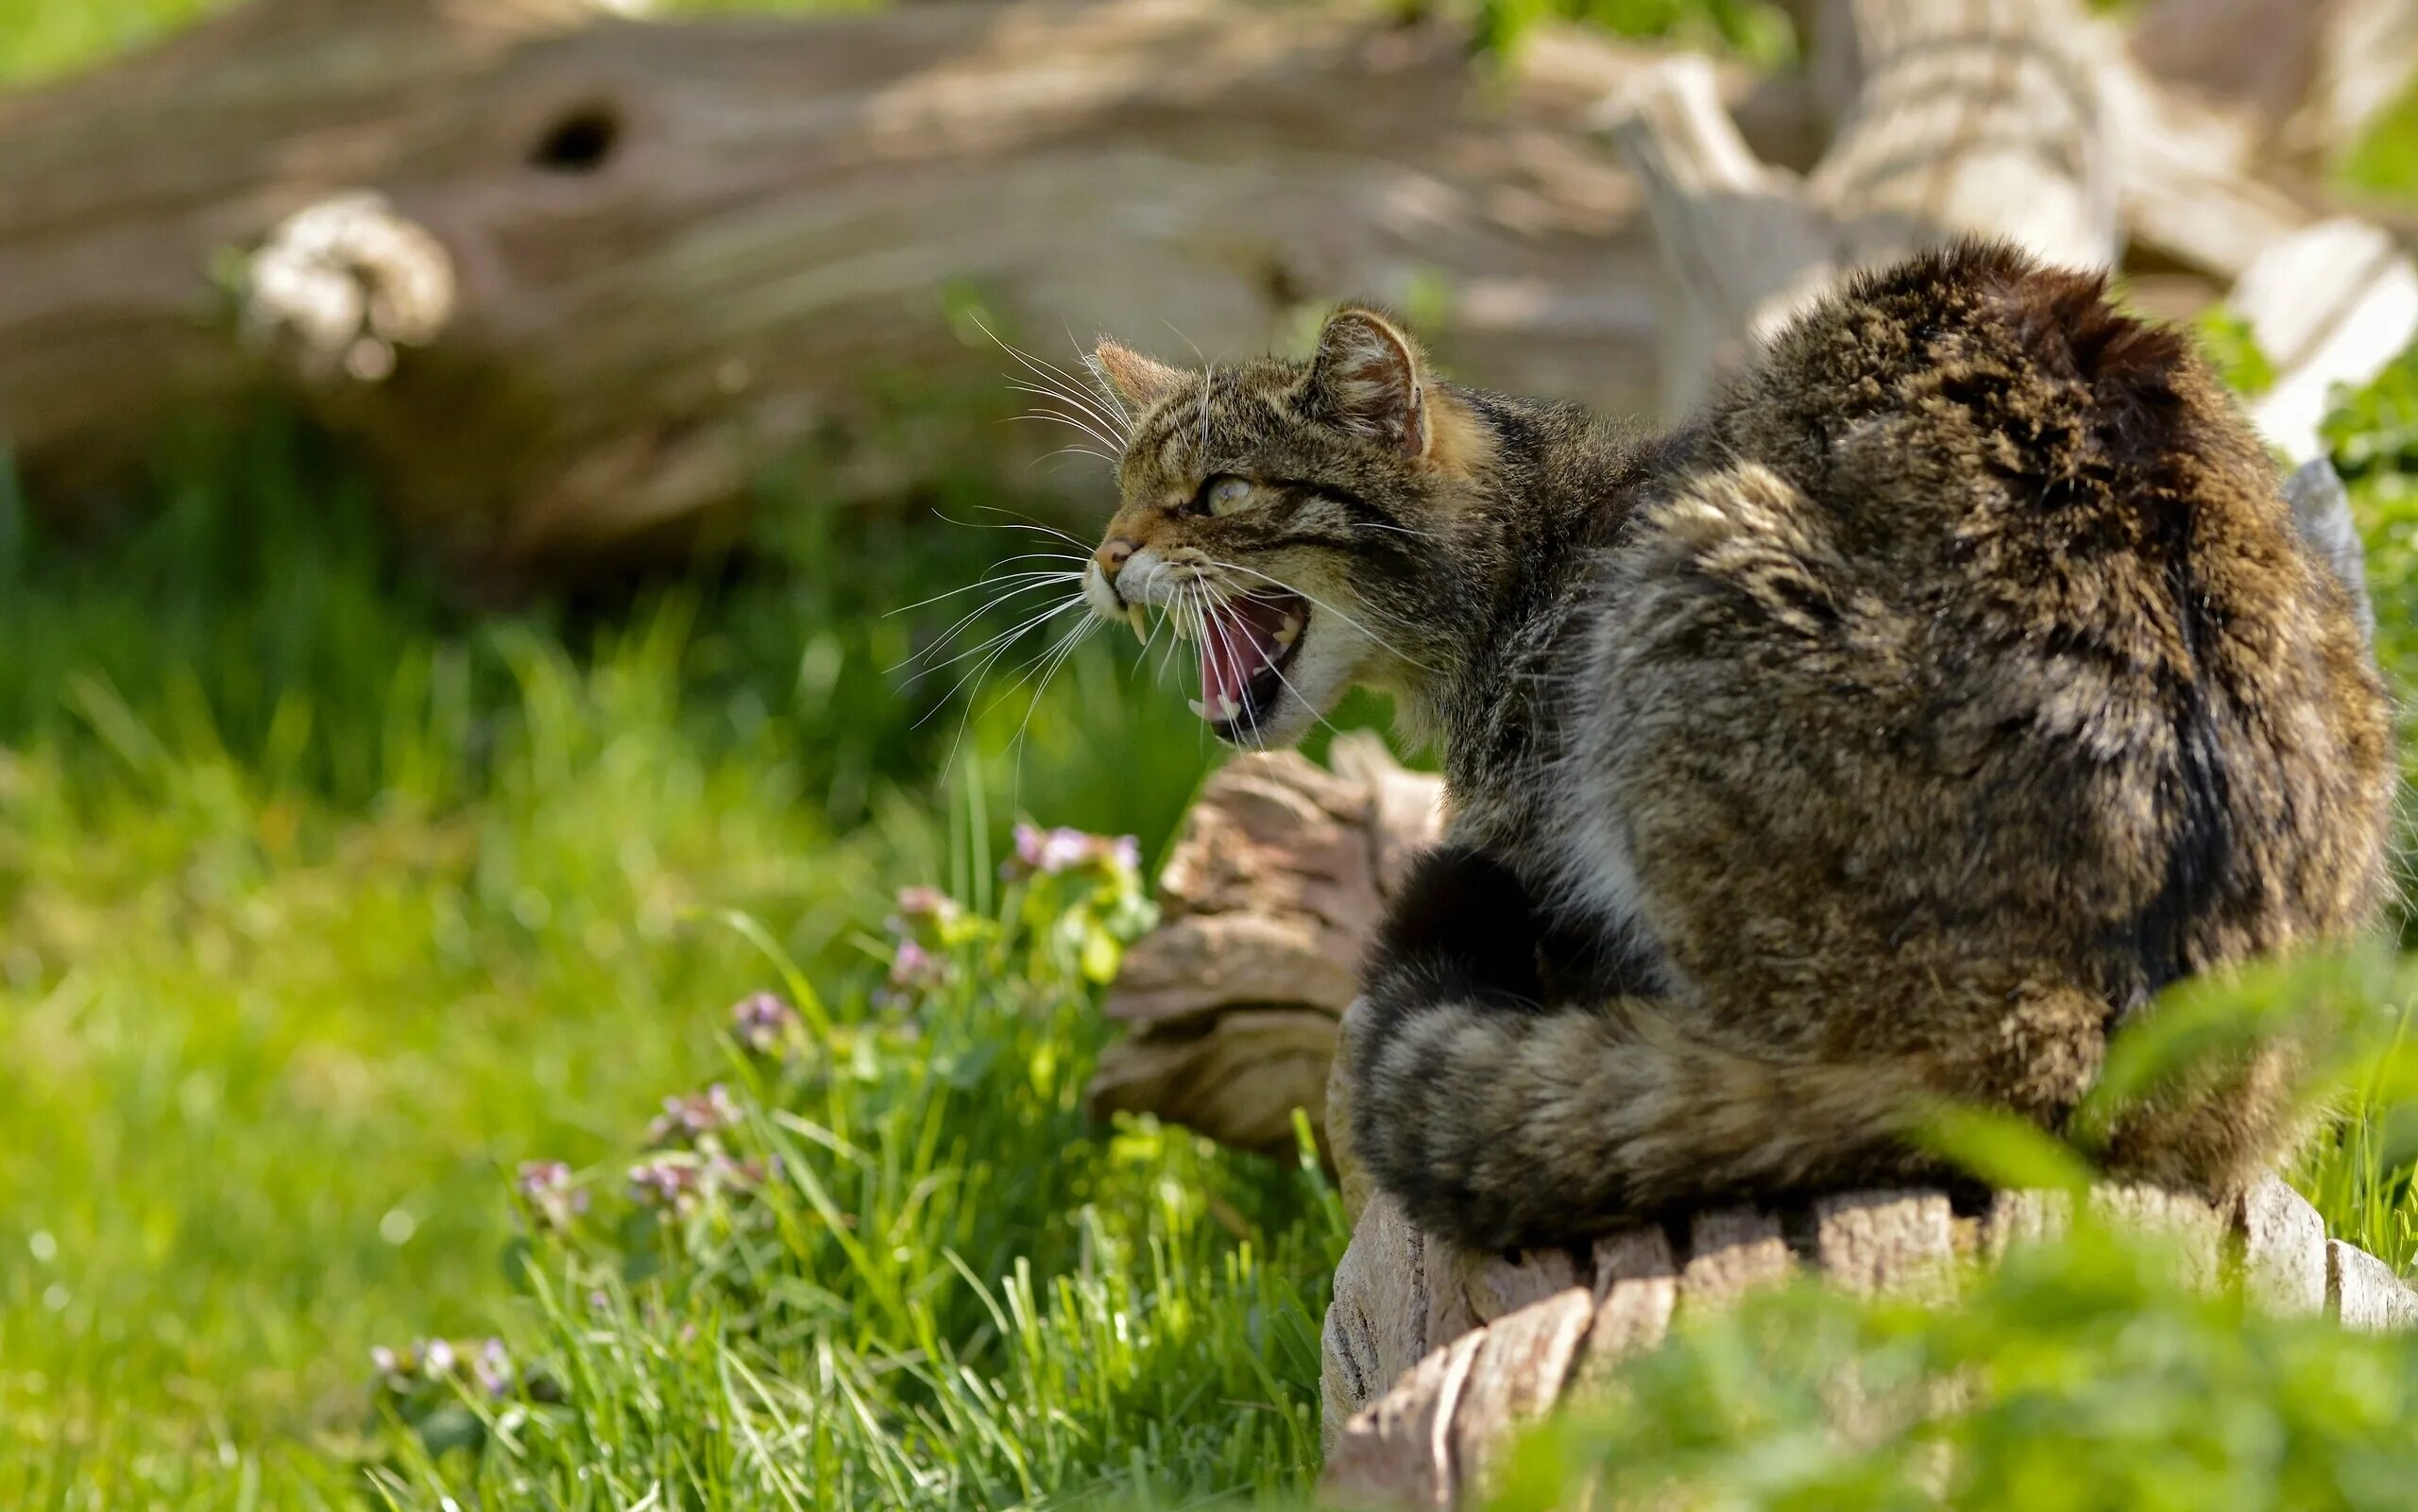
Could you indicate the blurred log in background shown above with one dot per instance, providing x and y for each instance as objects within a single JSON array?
[{"x": 570, "y": 280}]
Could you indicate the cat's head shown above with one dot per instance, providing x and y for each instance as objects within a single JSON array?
[{"x": 1302, "y": 522}]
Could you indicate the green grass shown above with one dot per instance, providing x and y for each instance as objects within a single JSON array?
[{"x": 325, "y": 903}]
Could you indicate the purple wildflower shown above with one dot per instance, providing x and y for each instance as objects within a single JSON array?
[
  {"x": 688, "y": 1118},
  {"x": 665, "y": 1182},
  {"x": 551, "y": 1196},
  {"x": 764, "y": 1023},
  {"x": 747, "y": 1175},
  {"x": 1050, "y": 852},
  {"x": 913, "y": 969},
  {"x": 920, "y": 902},
  {"x": 1125, "y": 852},
  {"x": 491, "y": 1367}
]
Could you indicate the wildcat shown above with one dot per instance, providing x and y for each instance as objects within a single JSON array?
[{"x": 1889, "y": 731}]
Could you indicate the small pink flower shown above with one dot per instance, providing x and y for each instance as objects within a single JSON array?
[
  {"x": 913, "y": 969},
  {"x": 491, "y": 1367},
  {"x": 686, "y": 1119},
  {"x": 666, "y": 1183},
  {"x": 918, "y": 902},
  {"x": 551, "y": 1196},
  {"x": 764, "y": 1023},
  {"x": 1050, "y": 852}
]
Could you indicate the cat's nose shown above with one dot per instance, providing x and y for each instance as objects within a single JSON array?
[{"x": 1112, "y": 554}]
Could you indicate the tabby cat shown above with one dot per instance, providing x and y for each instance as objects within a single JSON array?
[{"x": 1890, "y": 731}]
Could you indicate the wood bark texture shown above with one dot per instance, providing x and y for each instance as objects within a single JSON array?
[
  {"x": 1434, "y": 1356},
  {"x": 571, "y": 279},
  {"x": 573, "y": 282},
  {"x": 1268, "y": 902}
]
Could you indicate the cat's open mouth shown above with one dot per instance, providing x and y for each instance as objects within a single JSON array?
[{"x": 1245, "y": 643}]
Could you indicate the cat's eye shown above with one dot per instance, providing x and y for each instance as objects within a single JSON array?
[{"x": 1225, "y": 495}]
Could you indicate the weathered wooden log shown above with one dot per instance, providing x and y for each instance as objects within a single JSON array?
[
  {"x": 1969, "y": 117},
  {"x": 1268, "y": 902},
  {"x": 1470, "y": 1352},
  {"x": 571, "y": 279}
]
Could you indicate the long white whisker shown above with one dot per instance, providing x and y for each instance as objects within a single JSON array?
[
  {"x": 982, "y": 670},
  {"x": 1099, "y": 381},
  {"x": 956, "y": 625},
  {"x": 1233, "y": 662},
  {"x": 1002, "y": 639},
  {"x": 966, "y": 720},
  {"x": 1088, "y": 452},
  {"x": 1142, "y": 660},
  {"x": 1047, "y": 372},
  {"x": 1015, "y": 521},
  {"x": 940, "y": 641},
  {"x": 1065, "y": 648},
  {"x": 1104, "y": 430},
  {"x": 1088, "y": 407},
  {"x": 1066, "y": 420},
  {"x": 1061, "y": 574}
]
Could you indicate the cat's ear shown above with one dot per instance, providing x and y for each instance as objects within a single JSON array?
[
  {"x": 1137, "y": 380},
  {"x": 1369, "y": 377}
]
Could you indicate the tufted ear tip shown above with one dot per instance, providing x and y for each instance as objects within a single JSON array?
[
  {"x": 1137, "y": 382},
  {"x": 1371, "y": 379}
]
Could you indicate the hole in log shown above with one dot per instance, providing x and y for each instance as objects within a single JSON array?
[{"x": 580, "y": 141}]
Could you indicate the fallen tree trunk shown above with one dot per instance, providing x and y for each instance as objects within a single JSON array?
[
  {"x": 571, "y": 281},
  {"x": 569, "y": 278}
]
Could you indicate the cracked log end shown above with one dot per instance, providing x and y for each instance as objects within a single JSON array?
[
  {"x": 1270, "y": 899},
  {"x": 1433, "y": 1357}
]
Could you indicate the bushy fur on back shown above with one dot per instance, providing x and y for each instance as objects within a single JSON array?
[{"x": 1952, "y": 683}]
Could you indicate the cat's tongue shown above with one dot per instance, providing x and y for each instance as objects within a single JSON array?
[{"x": 1238, "y": 640}]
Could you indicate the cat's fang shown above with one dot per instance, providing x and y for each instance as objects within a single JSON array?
[
  {"x": 1288, "y": 632},
  {"x": 1228, "y": 707},
  {"x": 1135, "y": 616},
  {"x": 1199, "y": 709}
]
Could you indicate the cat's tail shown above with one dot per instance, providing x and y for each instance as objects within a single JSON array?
[
  {"x": 1502, "y": 1120},
  {"x": 1502, "y": 1112},
  {"x": 1502, "y": 1125}
]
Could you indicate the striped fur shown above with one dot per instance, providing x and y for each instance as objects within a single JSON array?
[{"x": 1949, "y": 686}]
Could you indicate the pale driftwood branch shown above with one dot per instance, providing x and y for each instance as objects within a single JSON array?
[
  {"x": 2008, "y": 118},
  {"x": 2329, "y": 305},
  {"x": 2305, "y": 76},
  {"x": 1969, "y": 117}
]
